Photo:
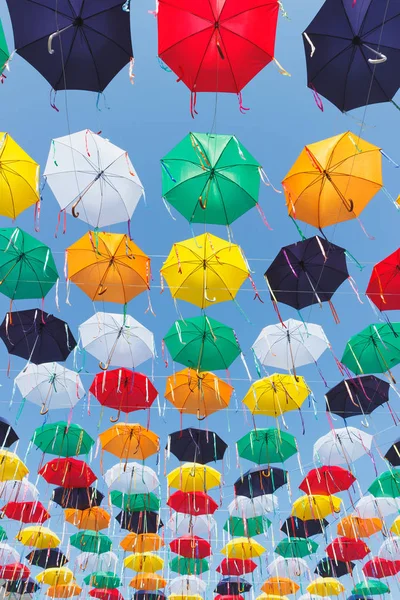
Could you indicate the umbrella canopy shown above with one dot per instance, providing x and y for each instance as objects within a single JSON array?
[
  {"x": 11, "y": 467},
  {"x": 381, "y": 568},
  {"x": 244, "y": 507},
  {"x": 260, "y": 481},
  {"x": 393, "y": 454},
  {"x": 147, "y": 562},
  {"x": 196, "y": 445},
  {"x": 193, "y": 477},
  {"x": 129, "y": 440},
  {"x": 370, "y": 587},
  {"x": 50, "y": 386},
  {"x": 68, "y": 590},
  {"x": 76, "y": 47},
  {"x": 143, "y": 542},
  {"x": 91, "y": 541},
  {"x": 8, "y": 436},
  {"x": 148, "y": 581},
  {"x": 288, "y": 567},
  {"x": 387, "y": 485},
  {"x": 307, "y": 272},
  {"x": 188, "y": 566},
  {"x": 202, "y": 343},
  {"x": 326, "y": 481},
  {"x": 3, "y": 534},
  {"x": 279, "y": 586},
  {"x": 205, "y": 270},
  {"x": 18, "y": 491},
  {"x": 131, "y": 478},
  {"x": 277, "y": 394},
  {"x": 117, "y": 340},
  {"x": 37, "y": 336},
  {"x": 267, "y": 446},
  {"x": 352, "y": 54},
  {"x": 328, "y": 567},
  {"x": 108, "y": 267},
  {"x": 358, "y": 396},
  {"x": 4, "y": 52},
  {"x": 47, "y": 558},
  {"x": 356, "y": 527},
  {"x": 199, "y": 526},
  {"x": 14, "y": 572},
  {"x": 39, "y": 537},
  {"x": 55, "y": 576},
  {"x": 103, "y": 579},
  {"x": 325, "y": 586},
  {"x": 94, "y": 518},
  {"x": 62, "y": 439},
  {"x": 315, "y": 507},
  {"x": 92, "y": 178},
  {"x": 90, "y": 562},
  {"x": 26, "y": 512},
  {"x": 236, "y": 566},
  {"x": 296, "y": 547},
  {"x": 192, "y": 503},
  {"x": 27, "y": 267},
  {"x": 191, "y": 546},
  {"x": 342, "y": 446},
  {"x": 186, "y": 585},
  {"x": 347, "y": 549},
  {"x": 333, "y": 180},
  {"x": 8, "y": 554},
  {"x": 384, "y": 284},
  {"x": 251, "y": 527},
  {"x": 77, "y": 498},
  {"x": 106, "y": 594},
  {"x": 21, "y": 587},
  {"x": 135, "y": 502},
  {"x": 242, "y": 548},
  {"x": 295, "y": 527},
  {"x": 210, "y": 178},
  {"x": 199, "y": 394},
  {"x": 390, "y": 549},
  {"x": 140, "y": 522},
  {"x": 369, "y": 507},
  {"x": 232, "y": 586},
  {"x": 375, "y": 349}
]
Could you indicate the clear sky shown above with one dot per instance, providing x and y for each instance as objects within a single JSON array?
[{"x": 148, "y": 119}]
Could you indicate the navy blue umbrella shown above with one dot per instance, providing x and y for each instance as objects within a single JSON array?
[
  {"x": 37, "y": 336},
  {"x": 294, "y": 527},
  {"x": 8, "y": 436},
  {"x": 357, "y": 396},
  {"x": 47, "y": 558},
  {"x": 143, "y": 595},
  {"x": 145, "y": 521},
  {"x": 356, "y": 60},
  {"x": 75, "y": 45},
  {"x": 333, "y": 568},
  {"x": 232, "y": 586},
  {"x": 261, "y": 480},
  {"x": 78, "y": 498},
  {"x": 393, "y": 454},
  {"x": 21, "y": 586},
  {"x": 196, "y": 445}
]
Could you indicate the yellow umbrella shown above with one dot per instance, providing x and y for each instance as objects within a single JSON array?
[
  {"x": 271, "y": 597},
  {"x": 315, "y": 507},
  {"x": 146, "y": 562},
  {"x": 19, "y": 178},
  {"x": 129, "y": 440},
  {"x": 185, "y": 597},
  {"x": 395, "y": 528},
  {"x": 142, "y": 542},
  {"x": 55, "y": 576},
  {"x": 193, "y": 477},
  {"x": 64, "y": 591},
  {"x": 325, "y": 586},
  {"x": 11, "y": 466},
  {"x": 94, "y": 518},
  {"x": 277, "y": 394},
  {"x": 278, "y": 586},
  {"x": 205, "y": 270},
  {"x": 150, "y": 582},
  {"x": 38, "y": 537},
  {"x": 242, "y": 548}
]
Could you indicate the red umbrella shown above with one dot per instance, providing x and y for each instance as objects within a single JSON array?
[
  {"x": 216, "y": 45},
  {"x": 68, "y": 473},
  {"x": 123, "y": 390},
  {"x": 26, "y": 512},
  {"x": 384, "y": 285},
  {"x": 346, "y": 549},
  {"x": 106, "y": 594},
  {"x": 327, "y": 481},
  {"x": 192, "y": 503},
  {"x": 236, "y": 566},
  {"x": 14, "y": 572},
  {"x": 191, "y": 547},
  {"x": 380, "y": 568}
]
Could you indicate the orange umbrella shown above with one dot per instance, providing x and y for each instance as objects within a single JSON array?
[
  {"x": 196, "y": 393},
  {"x": 64, "y": 591},
  {"x": 151, "y": 582},
  {"x": 129, "y": 440},
  {"x": 280, "y": 586},
  {"x": 356, "y": 527},
  {"x": 94, "y": 518},
  {"x": 142, "y": 542},
  {"x": 108, "y": 267}
]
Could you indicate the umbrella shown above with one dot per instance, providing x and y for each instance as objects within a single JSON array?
[
  {"x": 267, "y": 446},
  {"x": 27, "y": 267},
  {"x": 64, "y": 590},
  {"x": 103, "y": 579},
  {"x": 89, "y": 561},
  {"x": 3, "y": 535},
  {"x": 123, "y": 390},
  {"x": 387, "y": 485},
  {"x": 62, "y": 439},
  {"x": 356, "y": 527},
  {"x": 259, "y": 481},
  {"x": 192, "y": 503},
  {"x": 193, "y": 477},
  {"x": 22, "y": 586},
  {"x": 52, "y": 557},
  {"x": 295, "y": 527},
  {"x": 131, "y": 478},
  {"x": 94, "y": 518},
  {"x": 196, "y": 445},
  {"x": 244, "y": 507},
  {"x": 37, "y": 336},
  {"x": 148, "y": 581},
  {"x": 315, "y": 507},
  {"x": 290, "y": 344},
  {"x": 106, "y": 594},
  {"x": 333, "y": 180},
  {"x": 210, "y": 178},
  {"x": 188, "y": 566},
  {"x": 19, "y": 181},
  {"x": 191, "y": 546},
  {"x": 381, "y": 568},
  {"x": 328, "y": 567},
  {"x": 277, "y": 394},
  {"x": 37, "y": 536},
  {"x": 142, "y": 542},
  {"x": 91, "y": 178},
  {"x": 383, "y": 287},
  {"x": 205, "y": 270},
  {"x": 358, "y": 396},
  {"x": 325, "y": 586},
  {"x": 294, "y": 547},
  {"x": 50, "y": 386},
  {"x": 55, "y": 576},
  {"x": 393, "y": 454},
  {"x": 140, "y": 522},
  {"x": 354, "y": 43},
  {"x": 26, "y": 512},
  {"x": 232, "y": 586},
  {"x": 242, "y": 548},
  {"x": 199, "y": 394},
  {"x": 202, "y": 343},
  {"x": 347, "y": 549},
  {"x": 326, "y": 481},
  {"x": 8, "y": 554},
  {"x": 279, "y": 586},
  {"x": 375, "y": 349},
  {"x": 390, "y": 549},
  {"x": 75, "y": 47},
  {"x": 147, "y": 562},
  {"x": 251, "y": 527},
  {"x": 199, "y": 526},
  {"x": 144, "y": 595},
  {"x": 135, "y": 502},
  {"x": 342, "y": 446},
  {"x": 91, "y": 541},
  {"x": 369, "y": 507},
  {"x": 236, "y": 566},
  {"x": 8, "y": 435},
  {"x": 129, "y": 440},
  {"x": 11, "y": 466},
  {"x": 225, "y": 48},
  {"x": 108, "y": 267},
  {"x": 307, "y": 272},
  {"x": 117, "y": 340},
  {"x": 14, "y": 572},
  {"x": 288, "y": 567},
  {"x": 4, "y": 52},
  {"x": 370, "y": 587},
  {"x": 186, "y": 585},
  {"x": 18, "y": 491},
  {"x": 77, "y": 498}
]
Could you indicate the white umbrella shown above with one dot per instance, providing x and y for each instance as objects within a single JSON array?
[
  {"x": 246, "y": 508},
  {"x": 93, "y": 179},
  {"x": 50, "y": 386},
  {"x": 308, "y": 596},
  {"x": 369, "y": 507},
  {"x": 90, "y": 562},
  {"x": 342, "y": 446},
  {"x": 187, "y": 585},
  {"x": 8, "y": 554},
  {"x": 390, "y": 549},
  {"x": 117, "y": 340},
  {"x": 18, "y": 491},
  {"x": 288, "y": 567},
  {"x": 131, "y": 478},
  {"x": 181, "y": 524},
  {"x": 291, "y": 345}
]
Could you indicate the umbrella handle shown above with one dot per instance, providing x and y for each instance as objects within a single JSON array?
[
  {"x": 102, "y": 290},
  {"x": 115, "y": 419},
  {"x": 73, "y": 208},
  {"x": 199, "y": 418},
  {"x": 44, "y": 410},
  {"x": 376, "y": 61},
  {"x": 103, "y": 366},
  {"x": 53, "y": 35}
]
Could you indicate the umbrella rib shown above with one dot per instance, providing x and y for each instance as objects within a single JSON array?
[
  {"x": 237, "y": 185},
  {"x": 10, "y": 169},
  {"x": 245, "y": 39},
  {"x": 51, "y": 9},
  {"x": 91, "y": 54},
  {"x": 2, "y": 174},
  {"x": 106, "y": 36}
]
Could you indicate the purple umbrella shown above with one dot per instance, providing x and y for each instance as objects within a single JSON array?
[
  {"x": 74, "y": 44},
  {"x": 308, "y": 272},
  {"x": 352, "y": 52}
]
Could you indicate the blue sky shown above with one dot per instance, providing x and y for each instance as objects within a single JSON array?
[{"x": 149, "y": 118}]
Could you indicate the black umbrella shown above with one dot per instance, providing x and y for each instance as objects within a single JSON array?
[
  {"x": 140, "y": 522},
  {"x": 21, "y": 586},
  {"x": 261, "y": 480},
  {"x": 332, "y": 568},
  {"x": 232, "y": 586},
  {"x": 8, "y": 436},
  {"x": 294, "y": 527},
  {"x": 196, "y": 445},
  {"x": 144, "y": 595},
  {"x": 393, "y": 454},
  {"x": 47, "y": 558},
  {"x": 78, "y": 498},
  {"x": 37, "y": 336},
  {"x": 357, "y": 396}
]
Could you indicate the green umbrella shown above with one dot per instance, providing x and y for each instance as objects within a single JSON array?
[
  {"x": 370, "y": 587},
  {"x": 91, "y": 541},
  {"x": 247, "y": 527},
  {"x": 265, "y": 446},
  {"x": 27, "y": 267},
  {"x": 188, "y": 566},
  {"x": 202, "y": 343},
  {"x": 387, "y": 485},
  {"x": 293, "y": 547},
  {"x": 3, "y": 534},
  {"x": 103, "y": 579},
  {"x": 135, "y": 502},
  {"x": 4, "y": 53},
  {"x": 376, "y": 349},
  {"x": 210, "y": 178},
  {"x": 62, "y": 439}
]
